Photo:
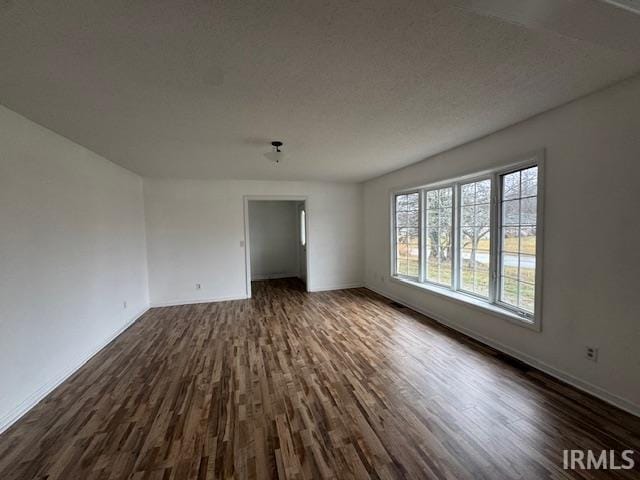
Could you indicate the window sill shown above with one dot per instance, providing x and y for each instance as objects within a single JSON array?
[{"x": 473, "y": 302}]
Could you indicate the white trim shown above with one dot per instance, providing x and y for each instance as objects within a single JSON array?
[
  {"x": 247, "y": 240},
  {"x": 343, "y": 286},
  {"x": 32, "y": 400},
  {"x": 176, "y": 303},
  {"x": 582, "y": 385}
]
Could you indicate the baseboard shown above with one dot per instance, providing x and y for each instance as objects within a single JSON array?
[
  {"x": 257, "y": 278},
  {"x": 32, "y": 400},
  {"x": 343, "y": 286},
  {"x": 576, "y": 382},
  {"x": 175, "y": 303}
]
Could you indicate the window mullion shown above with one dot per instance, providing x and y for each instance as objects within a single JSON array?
[
  {"x": 422, "y": 275},
  {"x": 496, "y": 237},
  {"x": 455, "y": 237}
]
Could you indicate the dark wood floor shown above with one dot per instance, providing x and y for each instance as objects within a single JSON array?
[{"x": 340, "y": 384}]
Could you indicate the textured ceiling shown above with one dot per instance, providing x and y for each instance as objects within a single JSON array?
[{"x": 198, "y": 89}]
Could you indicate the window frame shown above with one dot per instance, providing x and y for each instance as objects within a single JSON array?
[
  {"x": 423, "y": 225},
  {"x": 491, "y": 304},
  {"x": 394, "y": 235},
  {"x": 498, "y": 280},
  {"x": 458, "y": 235}
]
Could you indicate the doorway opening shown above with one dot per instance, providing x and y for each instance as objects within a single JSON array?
[{"x": 276, "y": 239}]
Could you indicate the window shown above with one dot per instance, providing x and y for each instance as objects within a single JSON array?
[
  {"x": 518, "y": 205},
  {"x": 407, "y": 235},
  {"x": 474, "y": 239},
  {"x": 438, "y": 235},
  {"x": 303, "y": 228}
]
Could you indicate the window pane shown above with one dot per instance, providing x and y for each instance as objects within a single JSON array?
[
  {"x": 445, "y": 219},
  {"x": 413, "y": 201},
  {"x": 528, "y": 240},
  {"x": 511, "y": 186},
  {"x": 509, "y": 291},
  {"x": 432, "y": 200},
  {"x": 413, "y": 218},
  {"x": 481, "y": 286},
  {"x": 438, "y": 235},
  {"x": 466, "y": 237},
  {"x": 475, "y": 242},
  {"x": 529, "y": 185},
  {"x": 467, "y": 216},
  {"x": 483, "y": 215},
  {"x": 518, "y": 243},
  {"x": 401, "y": 268},
  {"x": 511, "y": 212},
  {"x": 509, "y": 264},
  {"x": 483, "y": 239},
  {"x": 401, "y": 235},
  {"x": 413, "y": 252},
  {"x": 474, "y": 262},
  {"x": 402, "y": 219},
  {"x": 446, "y": 195},
  {"x": 445, "y": 271},
  {"x": 413, "y": 267},
  {"x": 433, "y": 266},
  {"x": 527, "y": 268},
  {"x": 468, "y": 194},
  {"x": 412, "y": 236},
  {"x": 401, "y": 203},
  {"x": 483, "y": 191},
  {"x": 511, "y": 239},
  {"x": 527, "y": 297},
  {"x": 528, "y": 207},
  {"x": 433, "y": 218},
  {"x": 466, "y": 277},
  {"x": 407, "y": 225},
  {"x": 401, "y": 259}
]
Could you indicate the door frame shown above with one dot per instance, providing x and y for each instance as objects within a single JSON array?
[{"x": 247, "y": 239}]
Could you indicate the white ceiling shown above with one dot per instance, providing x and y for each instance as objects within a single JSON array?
[{"x": 354, "y": 89}]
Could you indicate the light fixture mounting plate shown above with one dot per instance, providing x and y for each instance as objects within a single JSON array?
[{"x": 276, "y": 144}]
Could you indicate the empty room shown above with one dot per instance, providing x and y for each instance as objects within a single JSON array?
[{"x": 319, "y": 240}]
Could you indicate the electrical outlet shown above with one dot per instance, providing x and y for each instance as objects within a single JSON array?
[
  {"x": 124, "y": 304},
  {"x": 198, "y": 286},
  {"x": 591, "y": 353}
]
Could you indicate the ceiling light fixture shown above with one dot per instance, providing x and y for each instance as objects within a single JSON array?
[{"x": 276, "y": 155}]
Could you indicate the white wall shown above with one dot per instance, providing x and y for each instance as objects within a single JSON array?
[
  {"x": 195, "y": 227},
  {"x": 591, "y": 260},
  {"x": 274, "y": 236},
  {"x": 72, "y": 249}
]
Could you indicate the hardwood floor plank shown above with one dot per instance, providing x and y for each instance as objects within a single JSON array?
[{"x": 291, "y": 385}]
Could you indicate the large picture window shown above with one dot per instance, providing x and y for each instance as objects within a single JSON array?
[{"x": 476, "y": 237}]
